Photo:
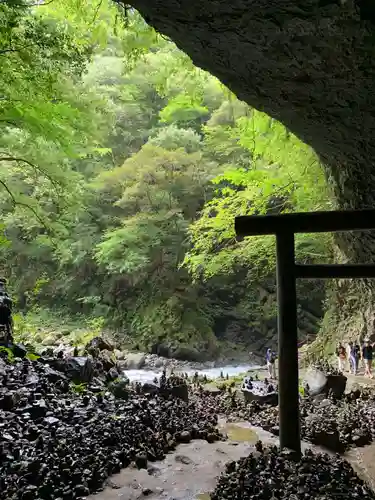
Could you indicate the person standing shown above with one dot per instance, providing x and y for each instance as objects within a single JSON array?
[
  {"x": 367, "y": 353},
  {"x": 341, "y": 356},
  {"x": 357, "y": 356},
  {"x": 353, "y": 358},
  {"x": 271, "y": 358}
]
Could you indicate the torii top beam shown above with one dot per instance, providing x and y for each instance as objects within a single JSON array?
[{"x": 309, "y": 222}]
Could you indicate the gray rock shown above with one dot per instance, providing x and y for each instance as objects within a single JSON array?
[
  {"x": 186, "y": 353},
  {"x": 79, "y": 369},
  {"x": 319, "y": 383},
  {"x": 316, "y": 380},
  {"x": 119, "y": 388},
  {"x": 49, "y": 341},
  {"x": 121, "y": 366},
  {"x": 161, "y": 349},
  {"x": 178, "y": 391},
  {"x": 183, "y": 459},
  {"x": 212, "y": 390},
  {"x": 159, "y": 362},
  {"x": 99, "y": 343},
  {"x": 66, "y": 349},
  {"x": 107, "y": 359},
  {"x": 51, "y": 420},
  {"x": 135, "y": 360},
  {"x": 112, "y": 374},
  {"x": 119, "y": 354},
  {"x": 184, "y": 437},
  {"x": 149, "y": 388}
]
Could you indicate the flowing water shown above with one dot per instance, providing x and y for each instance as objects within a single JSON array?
[{"x": 211, "y": 373}]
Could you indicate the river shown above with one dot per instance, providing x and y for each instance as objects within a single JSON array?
[{"x": 212, "y": 373}]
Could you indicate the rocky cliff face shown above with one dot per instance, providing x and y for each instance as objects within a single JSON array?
[
  {"x": 251, "y": 322},
  {"x": 311, "y": 65}
]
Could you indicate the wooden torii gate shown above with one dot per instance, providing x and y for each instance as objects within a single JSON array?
[{"x": 284, "y": 227}]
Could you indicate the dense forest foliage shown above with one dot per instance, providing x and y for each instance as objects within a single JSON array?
[{"x": 122, "y": 167}]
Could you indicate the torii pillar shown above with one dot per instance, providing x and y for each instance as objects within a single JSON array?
[{"x": 284, "y": 227}]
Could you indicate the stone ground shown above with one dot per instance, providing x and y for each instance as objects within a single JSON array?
[
  {"x": 187, "y": 474},
  {"x": 192, "y": 470}
]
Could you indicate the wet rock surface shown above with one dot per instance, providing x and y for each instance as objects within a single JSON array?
[
  {"x": 187, "y": 474},
  {"x": 59, "y": 441},
  {"x": 336, "y": 424},
  {"x": 270, "y": 473}
]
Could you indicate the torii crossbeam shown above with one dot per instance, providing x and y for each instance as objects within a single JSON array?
[{"x": 284, "y": 227}]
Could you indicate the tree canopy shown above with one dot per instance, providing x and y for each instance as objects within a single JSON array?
[{"x": 122, "y": 168}]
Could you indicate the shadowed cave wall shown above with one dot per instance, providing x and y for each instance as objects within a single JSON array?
[{"x": 311, "y": 65}]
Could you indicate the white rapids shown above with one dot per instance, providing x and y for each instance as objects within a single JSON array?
[{"x": 211, "y": 373}]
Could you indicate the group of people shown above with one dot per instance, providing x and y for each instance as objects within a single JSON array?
[{"x": 350, "y": 357}]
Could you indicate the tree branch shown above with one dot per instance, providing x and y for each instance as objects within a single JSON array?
[
  {"x": 21, "y": 204},
  {"x": 35, "y": 168},
  {"x": 16, "y": 203},
  {"x": 96, "y": 11}
]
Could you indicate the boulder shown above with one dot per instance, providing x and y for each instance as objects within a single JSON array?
[
  {"x": 336, "y": 385},
  {"x": 49, "y": 340},
  {"x": 99, "y": 343},
  {"x": 58, "y": 364},
  {"x": 183, "y": 437},
  {"x": 119, "y": 388},
  {"x": 319, "y": 383},
  {"x": 161, "y": 349},
  {"x": 53, "y": 375},
  {"x": 119, "y": 354},
  {"x": 66, "y": 350},
  {"x": 80, "y": 369},
  {"x": 47, "y": 353},
  {"x": 271, "y": 398},
  {"x": 149, "y": 388},
  {"x": 107, "y": 359},
  {"x": 121, "y": 366},
  {"x": 177, "y": 391},
  {"x": 316, "y": 381},
  {"x": 112, "y": 374},
  {"x": 19, "y": 350},
  {"x": 186, "y": 353},
  {"x": 211, "y": 390},
  {"x": 134, "y": 360},
  {"x": 97, "y": 385},
  {"x": 159, "y": 362},
  {"x": 258, "y": 390},
  {"x": 330, "y": 440}
]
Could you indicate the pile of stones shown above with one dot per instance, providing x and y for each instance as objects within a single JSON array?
[
  {"x": 334, "y": 424},
  {"x": 271, "y": 473},
  {"x": 62, "y": 441}
]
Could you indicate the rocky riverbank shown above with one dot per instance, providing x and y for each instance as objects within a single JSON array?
[
  {"x": 111, "y": 357},
  {"x": 68, "y": 424},
  {"x": 58, "y": 442}
]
